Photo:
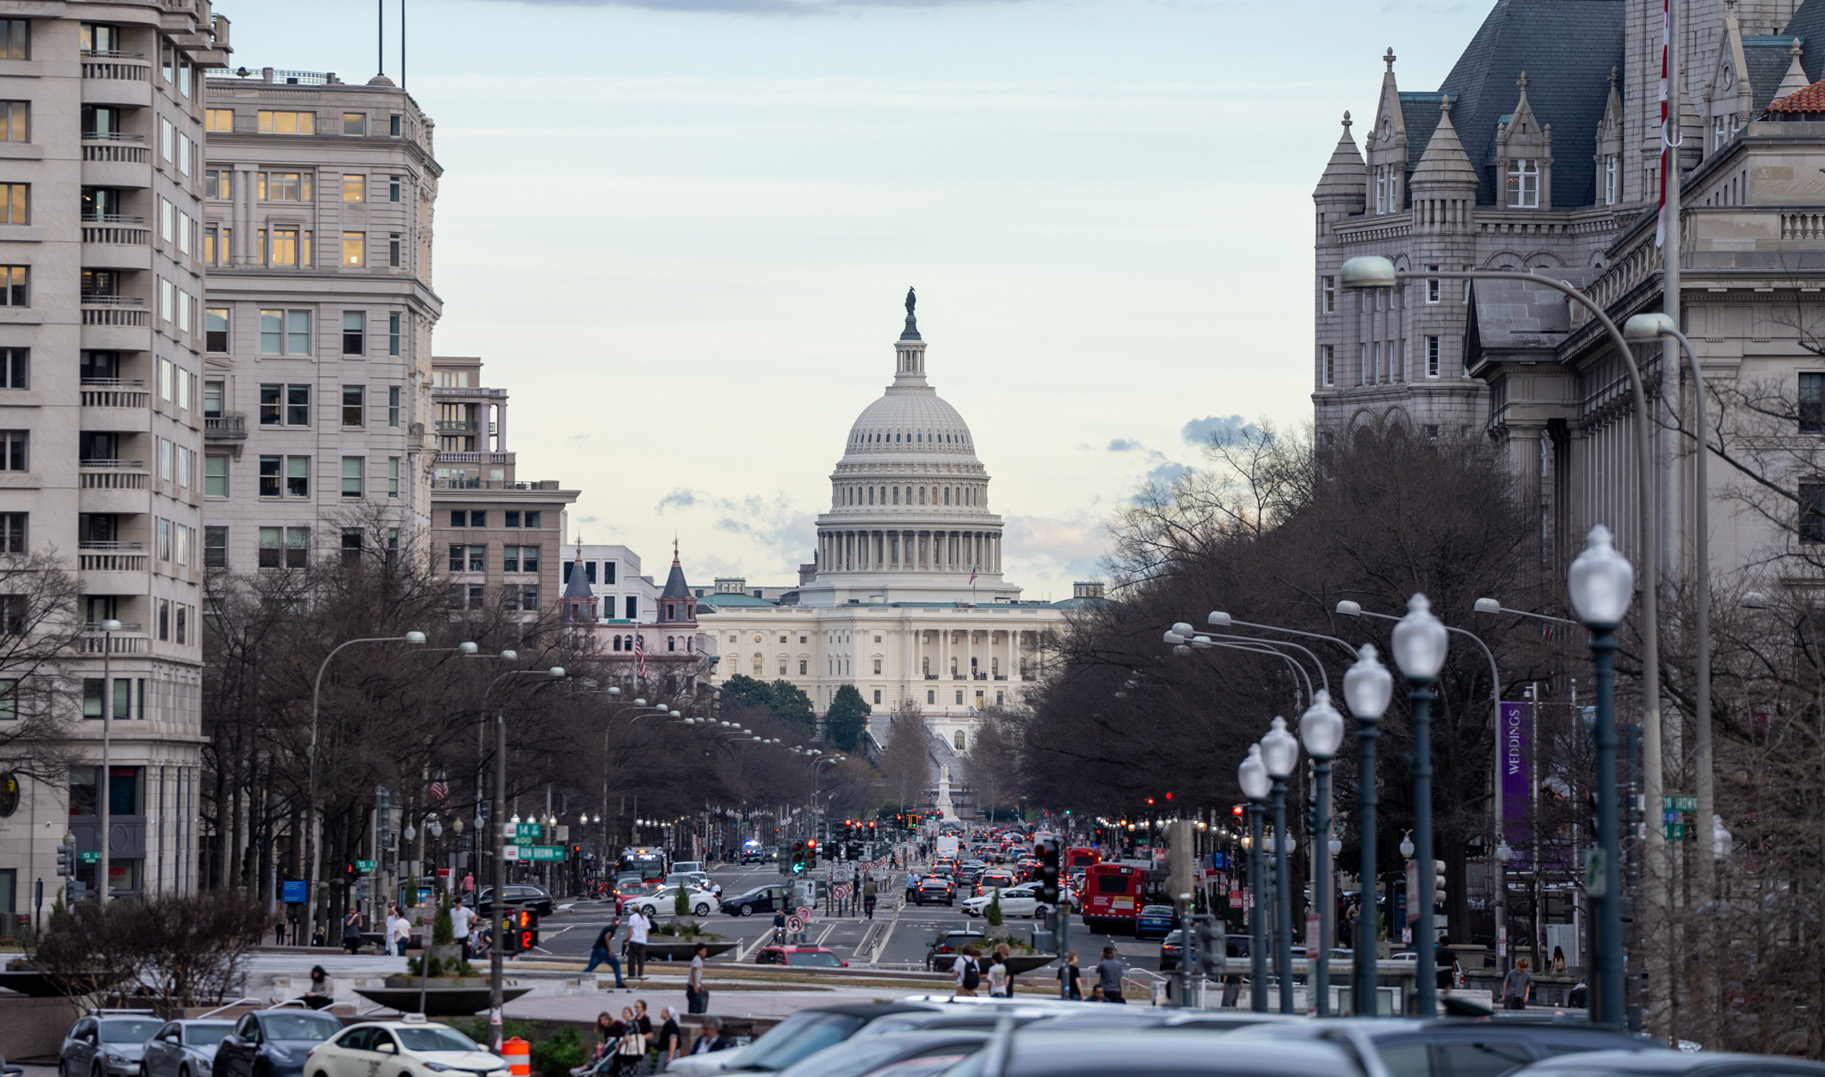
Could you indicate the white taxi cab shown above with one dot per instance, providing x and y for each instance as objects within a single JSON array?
[{"x": 412, "y": 1047}]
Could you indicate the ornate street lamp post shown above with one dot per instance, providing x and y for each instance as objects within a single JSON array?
[
  {"x": 1367, "y": 688},
  {"x": 1252, "y": 776},
  {"x": 1420, "y": 642},
  {"x": 1280, "y": 754}
]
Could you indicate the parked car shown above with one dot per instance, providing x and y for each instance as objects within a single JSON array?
[
  {"x": 800, "y": 957},
  {"x": 1447, "y": 1047},
  {"x": 184, "y": 1048},
  {"x": 665, "y": 900},
  {"x": 272, "y": 1043},
  {"x": 1058, "y": 1052},
  {"x": 1155, "y": 921},
  {"x": 942, "y": 951},
  {"x": 104, "y": 1044},
  {"x": 1662, "y": 1063},
  {"x": 759, "y": 899},
  {"x": 994, "y": 877},
  {"x": 1022, "y": 900},
  {"x": 519, "y": 896},
  {"x": 413, "y": 1047},
  {"x": 798, "y": 1037},
  {"x": 696, "y": 880},
  {"x": 934, "y": 889},
  {"x": 860, "y": 1055}
]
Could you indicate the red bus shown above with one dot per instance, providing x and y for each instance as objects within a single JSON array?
[
  {"x": 1111, "y": 896},
  {"x": 1077, "y": 859}
]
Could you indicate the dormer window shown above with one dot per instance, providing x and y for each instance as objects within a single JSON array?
[
  {"x": 1523, "y": 183},
  {"x": 1612, "y": 179},
  {"x": 1381, "y": 189}
]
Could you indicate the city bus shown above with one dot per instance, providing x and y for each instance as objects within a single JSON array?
[
  {"x": 1111, "y": 897},
  {"x": 1079, "y": 858}
]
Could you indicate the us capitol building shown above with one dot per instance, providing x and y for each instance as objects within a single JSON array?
[{"x": 905, "y": 597}]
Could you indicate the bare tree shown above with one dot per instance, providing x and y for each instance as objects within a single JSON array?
[
  {"x": 41, "y": 631},
  {"x": 906, "y": 761}
]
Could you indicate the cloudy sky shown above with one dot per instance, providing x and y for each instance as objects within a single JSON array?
[{"x": 680, "y": 231}]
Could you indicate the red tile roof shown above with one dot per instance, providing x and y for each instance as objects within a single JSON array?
[{"x": 1809, "y": 100}]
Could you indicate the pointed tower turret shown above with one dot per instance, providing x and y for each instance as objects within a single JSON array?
[
  {"x": 1609, "y": 146},
  {"x": 1795, "y": 79},
  {"x": 1345, "y": 183},
  {"x": 1524, "y": 156},
  {"x": 676, "y": 603},
  {"x": 1387, "y": 146},
  {"x": 1444, "y": 182},
  {"x": 578, "y": 606}
]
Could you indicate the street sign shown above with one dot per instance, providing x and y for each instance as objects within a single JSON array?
[
  {"x": 794, "y": 924},
  {"x": 365, "y": 867},
  {"x": 1679, "y": 802},
  {"x": 541, "y": 852},
  {"x": 510, "y": 852},
  {"x": 90, "y": 858},
  {"x": 1675, "y": 831},
  {"x": 529, "y": 831},
  {"x": 296, "y": 892},
  {"x": 1235, "y": 899},
  {"x": 804, "y": 913}
]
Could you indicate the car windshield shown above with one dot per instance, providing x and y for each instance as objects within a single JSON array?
[
  {"x": 434, "y": 1038},
  {"x": 813, "y": 958},
  {"x": 130, "y": 1030},
  {"x": 800, "y": 1036},
  {"x": 854, "y": 1057},
  {"x": 1156, "y": 910},
  {"x": 206, "y": 1034},
  {"x": 301, "y": 1026}
]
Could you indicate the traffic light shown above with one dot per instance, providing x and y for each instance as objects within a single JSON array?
[
  {"x": 1213, "y": 945},
  {"x": 1237, "y": 812},
  {"x": 798, "y": 858},
  {"x": 349, "y": 875},
  {"x": 811, "y": 854},
  {"x": 525, "y": 930},
  {"x": 66, "y": 864},
  {"x": 1046, "y": 851},
  {"x": 1438, "y": 882}
]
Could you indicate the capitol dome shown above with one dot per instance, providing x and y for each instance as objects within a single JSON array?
[{"x": 908, "y": 517}]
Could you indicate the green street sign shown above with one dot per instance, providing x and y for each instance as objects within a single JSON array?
[
  {"x": 365, "y": 867},
  {"x": 529, "y": 831},
  {"x": 1679, "y": 803},
  {"x": 542, "y": 852},
  {"x": 91, "y": 858},
  {"x": 1675, "y": 831}
]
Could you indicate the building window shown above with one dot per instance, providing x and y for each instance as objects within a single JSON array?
[
  {"x": 218, "y": 119},
  {"x": 1612, "y": 179},
  {"x": 960, "y": 697},
  {"x": 15, "y": 368},
  {"x": 1812, "y": 512},
  {"x": 215, "y": 329},
  {"x": 392, "y": 476},
  {"x": 393, "y": 125},
  {"x": 285, "y": 332},
  {"x": 15, "y": 39},
  {"x": 1524, "y": 183},
  {"x": 270, "y": 467},
  {"x": 15, "y": 203},
  {"x": 354, "y": 332},
  {"x": 285, "y": 248},
  {"x": 394, "y": 320},
  {"x": 1381, "y": 189},
  {"x": 931, "y": 695},
  {"x": 1432, "y": 286},
  {"x": 218, "y": 183},
  {"x": 1327, "y": 361},
  {"x": 1328, "y": 290},
  {"x": 215, "y": 547},
  {"x": 215, "y": 476},
  {"x": 354, "y": 248},
  {"x": 1812, "y": 403},
  {"x": 393, "y": 250},
  {"x": 12, "y": 532},
  {"x": 354, "y": 123},
  {"x": 353, "y": 187},
  {"x": 297, "y": 405},
  {"x": 352, "y": 467},
  {"x": 13, "y": 290},
  {"x": 13, "y": 455},
  {"x": 297, "y": 476},
  {"x": 184, "y": 149},
  {"x": 287, "y": 123},
  {"x": 393, "y": 405},
  {"x": 520, "y": 559},
  {"x": 167, "y": 139},
  {"x": 16, "y": 125},
  {"x": 393, "y": 187},
  {"x": 214, "y": 396},
  {"x": 532, "y": 520},
  {"x": 877, "y": 667},
  {"x": 1432, "y": 363},
  {"x": 284, "y": 186},
  {"x": 351, "y": 545},
  {"x": 478, "y": 558}
]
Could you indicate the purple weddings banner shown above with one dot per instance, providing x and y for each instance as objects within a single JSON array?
[{"x": 1517, "y": 790}]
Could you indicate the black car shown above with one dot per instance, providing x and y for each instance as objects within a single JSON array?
[
  {"x": 106, "y": 1045},
  {"x": 941, "y": 953},
  {"x": 935, "y": 888},
  {"x": 519, "y": 896},
  {"x": 1187, "y": 1053},
  {"x": 272, "y": 1043},
  {"x": 759, "y": 899}
]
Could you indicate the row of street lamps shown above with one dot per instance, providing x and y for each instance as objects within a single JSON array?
[{"x": 1602, "y": 585}]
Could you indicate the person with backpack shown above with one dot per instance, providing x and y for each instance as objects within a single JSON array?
[{"x": 968, "y": 972}]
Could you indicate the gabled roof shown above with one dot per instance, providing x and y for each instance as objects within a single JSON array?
[
  {"x": 1808, "y": 102},
  {"x": 1567, "y": 48},
  {"x": 1767, "y": 59}
]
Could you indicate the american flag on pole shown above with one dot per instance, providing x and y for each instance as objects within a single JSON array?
[
  {"x": 640, "y": 653},
  {"x": 440, "y": 789},
  {"x": 1666, "y": 136},
  {"x": 973, "y": 573}
]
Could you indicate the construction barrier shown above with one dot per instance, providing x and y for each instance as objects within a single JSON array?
[{"x": 518, "y": 1054}]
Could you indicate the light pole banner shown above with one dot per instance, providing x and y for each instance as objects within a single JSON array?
[{"x": 1517, "y": 789}]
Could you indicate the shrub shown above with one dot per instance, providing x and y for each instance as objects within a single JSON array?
[
  {"x": 561, "y": 1052},
  {"x": 443, "y": 932},
  {"x": 681, "y": 905},
  {"x": 993, "y": 913}
]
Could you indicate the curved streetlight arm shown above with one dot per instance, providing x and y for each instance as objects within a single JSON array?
[
  {"x": 1323, "y": 677},
  {"x": 1228, "y": 620},
  {"x": 1547, "y": 617},
  {"x": 1261, "y": 648}
]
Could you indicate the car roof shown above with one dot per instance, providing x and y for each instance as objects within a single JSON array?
[
  {"x": 868, "y": 1010},
  {"x": 1115, "y": 1050},
  {"x": 1661, "y": 1060},
  {"x": 1448, "y": 1027}
]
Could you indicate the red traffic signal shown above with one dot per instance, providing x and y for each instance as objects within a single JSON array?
[
  {"x": 1236, "y": 811},
  {"x": 812, "y": 844}
]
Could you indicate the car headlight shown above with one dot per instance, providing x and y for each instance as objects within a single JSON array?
[
  {"x": 113, "y": 1059},
  {"x": 437, "y": 1067}
]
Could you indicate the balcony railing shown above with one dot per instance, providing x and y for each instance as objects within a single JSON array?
[
  {"x": 113, "y": 383},
  {"x": 124, "y": 66},
  {"x": 115, "y": 148},
  {"x": 112, "y": 475},
  {"x": 121, "y": 643},
  {"x": 112, "y": 218},
  {"x": 457, "y": 426},
  {"x": 225, "y": 426},
  {"x": 125, "y": 626},
  {"x": 111, "y": 557},
  {"x": 118, "y": 310},
  {"x": 115, "y": 398},
  {"x": 493, "y": 484},
  {"x": 117, "y": 235}
]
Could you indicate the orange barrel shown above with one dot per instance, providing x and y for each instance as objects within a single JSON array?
[{"x": 518, "y": 1054}]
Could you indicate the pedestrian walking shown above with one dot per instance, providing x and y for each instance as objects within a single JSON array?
[
  {"x": 1516, "y": 985},
  {"x": 967, "y": 972},
  {"x": 351, "y": 931},
  {"x": 390, "y": 930},
  {"x": 1072, "y": 978},
  {"x": 1448, "y": 971},
  {"x": 696, "y": 995},
  {"x": 460, "y": 919},
  {"x": 998, "y": 977},
  {"x": 630, "y": 1049},
  {"x": 402, "y": 932},
  {"x": 1232, "y": 990},
  {"x": 603, "y": 950},
  {"x": 1109, "y": 976},
  {"x": 637, "y": 927},
  {"x": 912, "y": 885},
  {"x": 869, "y": 890},
  {"x": 278, "y": 931}
]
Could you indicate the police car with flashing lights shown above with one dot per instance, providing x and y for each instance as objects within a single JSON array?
[{"x": 412, "y": 1047}]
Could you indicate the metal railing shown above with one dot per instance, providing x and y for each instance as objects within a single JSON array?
[
  {"x": 225, "y": 426},
  {"x": 115, "y": 398},
  {"x": 110, "y": 151},
  {"x": 117, "y": 235},
  {"x": 124, "y": 69},
  {"x": 493, "y": 484}
]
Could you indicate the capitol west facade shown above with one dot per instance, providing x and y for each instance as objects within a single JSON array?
[{"x": 905, "y": 599}]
